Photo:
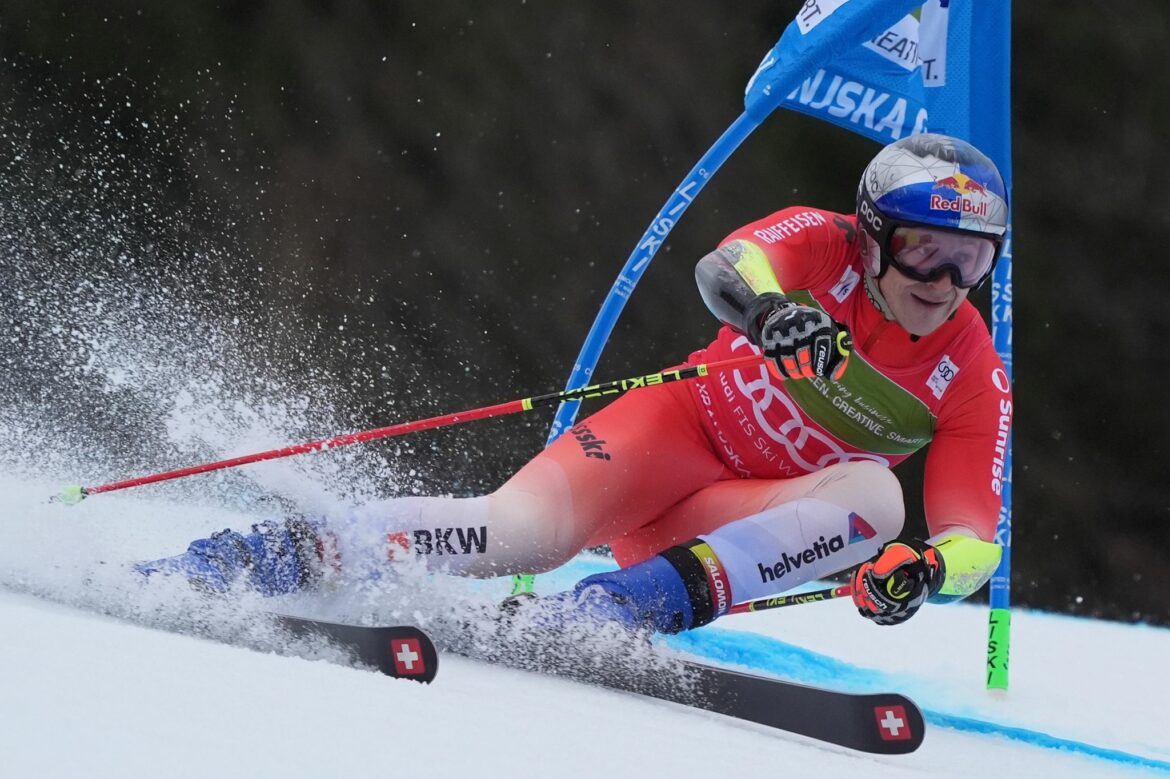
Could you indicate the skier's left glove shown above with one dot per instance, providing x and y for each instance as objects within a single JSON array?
[{"x": 890, "y": 588}]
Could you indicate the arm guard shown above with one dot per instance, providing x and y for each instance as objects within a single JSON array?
[
  {"x": 738, "y": 284},
  {"x": 968, "y": 564}
]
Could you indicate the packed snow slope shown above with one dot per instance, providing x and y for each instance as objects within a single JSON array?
[{"x": 100, "y": 676}]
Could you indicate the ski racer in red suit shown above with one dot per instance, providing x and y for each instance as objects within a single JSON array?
[{"x": 749, "y": 482}]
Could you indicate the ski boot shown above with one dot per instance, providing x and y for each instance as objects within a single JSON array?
[
  {"x": 274, "y": 559},
  {"x": 582, "y": 606},
  {"x": 648, "y": 597}
]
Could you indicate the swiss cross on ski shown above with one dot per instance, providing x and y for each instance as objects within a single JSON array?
[
  {"x": 408, "y": 657},
  {"x": 893, "y": 724}
]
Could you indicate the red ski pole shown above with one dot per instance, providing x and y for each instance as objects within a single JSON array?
[{"x": 75, "y": 494}]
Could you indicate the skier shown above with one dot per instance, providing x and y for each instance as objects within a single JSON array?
[{"x": 749, "y": 482}]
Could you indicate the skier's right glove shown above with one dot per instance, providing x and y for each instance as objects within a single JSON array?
[
  {"x": 803, "y": 341},
  {"x": 890, "y": 588}
]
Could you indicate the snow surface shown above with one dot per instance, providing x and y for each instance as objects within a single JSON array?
[{"x": 102, "y": 677}]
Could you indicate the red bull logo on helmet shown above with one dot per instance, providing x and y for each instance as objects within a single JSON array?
[
  {"x": 962, "y": 184},
  {"x": 967, "y": 196}
]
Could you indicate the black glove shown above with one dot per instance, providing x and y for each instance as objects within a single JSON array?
[
  {"x": 890, "y": 588},
  {"x": 804, "y": 342}
]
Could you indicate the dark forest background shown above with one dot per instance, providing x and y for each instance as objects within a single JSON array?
[{"x": 455, "y": 185}]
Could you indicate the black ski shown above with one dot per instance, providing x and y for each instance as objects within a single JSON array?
[
  {"x": 882, "y": 723},
  {"x": 401, "y": 651}
]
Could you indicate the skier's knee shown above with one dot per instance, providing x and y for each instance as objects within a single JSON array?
[
  {"x": 871, "y": 490},
  {"x": 534, "y": 532},
  {"x": 884, "y": 506}
]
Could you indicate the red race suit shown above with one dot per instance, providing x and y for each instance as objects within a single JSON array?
[{"x": 899, "y": 392}]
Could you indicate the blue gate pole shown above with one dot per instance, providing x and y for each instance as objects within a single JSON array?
[
  {"x": 631, "y": 273},
  {"x": 640, "y": 258}
]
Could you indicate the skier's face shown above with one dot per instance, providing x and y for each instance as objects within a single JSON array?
[{"x": 920, "y": 306}]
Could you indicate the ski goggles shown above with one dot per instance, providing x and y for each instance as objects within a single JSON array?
[{"x": 926, "y": 253}]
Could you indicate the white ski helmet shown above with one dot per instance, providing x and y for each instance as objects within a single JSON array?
[{"x": 934, "y": 181}]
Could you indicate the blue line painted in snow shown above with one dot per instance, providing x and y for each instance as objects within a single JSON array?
[
  {"x": 763, "y": 653},
  {"x": 1043, "y": 740},
  {"x": 789, "y": 661}
]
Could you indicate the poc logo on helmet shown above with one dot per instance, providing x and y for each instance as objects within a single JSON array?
[{"x": 870, "y": 215}]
